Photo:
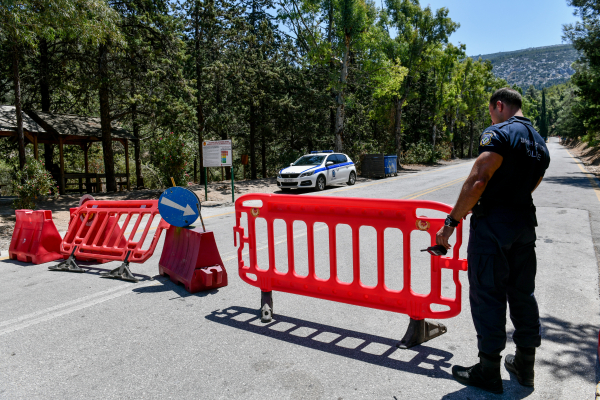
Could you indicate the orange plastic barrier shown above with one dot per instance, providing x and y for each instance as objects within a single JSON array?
[
  {"x": 191, "y": 257},
  {"x": 35, "y": 238},
  {"x": 95, "y": 234},
  {"x": 355, "y": 212}
]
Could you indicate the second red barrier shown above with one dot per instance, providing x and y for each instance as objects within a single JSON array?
[
  {"x": 356, "y": 213},
  {"x": 114, "y": 230}
]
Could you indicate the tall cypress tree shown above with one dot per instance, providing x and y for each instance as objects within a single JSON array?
[{"x": 543, "y": 117}]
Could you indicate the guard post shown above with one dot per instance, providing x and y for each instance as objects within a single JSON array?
[{"x": 217, "y": 153}]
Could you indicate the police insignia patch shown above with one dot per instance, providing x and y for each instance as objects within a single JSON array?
[{"x": 486, "y": 138}]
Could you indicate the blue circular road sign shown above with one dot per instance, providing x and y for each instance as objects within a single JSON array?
[{"x": 179, "y": 207}]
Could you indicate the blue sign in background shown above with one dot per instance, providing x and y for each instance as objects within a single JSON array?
[{"x": 178, "y": 206}]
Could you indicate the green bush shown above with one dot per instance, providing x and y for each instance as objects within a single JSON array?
[
  {"x": 173, "y": 155},
  {"x": 443, "y": 151},
  {"x": 6, "y": 178},
  {"x": 420, "y": 153},
  {"x": 591, "y": 140},
  {"x": 33, "y": 184}
]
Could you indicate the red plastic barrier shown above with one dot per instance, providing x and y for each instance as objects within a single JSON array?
[
  {"x": 191, "y": 257},
  {"x": 117, "y": 232},
  {"x": 95, "y": 232},
  {"x": 35, "y": 238},
  {"x": 355, "y": 212}
]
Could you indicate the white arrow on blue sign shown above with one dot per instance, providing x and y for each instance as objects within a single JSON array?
[{"x": 179, "y": 207}]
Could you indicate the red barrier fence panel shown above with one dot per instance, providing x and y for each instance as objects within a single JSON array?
[
  {"x": 111, "y": 231},
  {"x": 190, "y": 256},
  {"x": 117, "y": 233},
  {"x": 95, "y": 232},
  {"x": 35, "y": 238},
  {"x": 356, "y": 213}
]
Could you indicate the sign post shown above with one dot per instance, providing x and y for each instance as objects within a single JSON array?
[{"x": 217, "y": 153}]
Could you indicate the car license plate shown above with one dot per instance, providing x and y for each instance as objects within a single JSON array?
[{"x": 289, "y": 180}]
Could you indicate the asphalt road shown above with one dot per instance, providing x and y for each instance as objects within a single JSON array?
[{"x": 71, "y": 336}]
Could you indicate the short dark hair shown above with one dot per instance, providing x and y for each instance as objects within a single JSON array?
[{"x": 507, "y": 96}]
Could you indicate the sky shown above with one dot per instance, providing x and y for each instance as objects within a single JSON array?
[{"x": 506, "y": 25}]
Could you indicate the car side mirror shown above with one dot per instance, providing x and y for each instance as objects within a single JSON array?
[
  {"x": 291, "y": 164},
  {"x": 329, "y": 163}
]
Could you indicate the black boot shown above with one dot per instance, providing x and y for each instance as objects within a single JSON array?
[
  {"x": 521, "y": 365},
  {"x": 484, "y": 375}
]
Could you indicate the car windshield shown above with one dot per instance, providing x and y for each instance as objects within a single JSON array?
[{"x": 309, "y": 160}]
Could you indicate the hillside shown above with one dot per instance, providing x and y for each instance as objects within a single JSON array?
[{"x": 540, "y": 66}]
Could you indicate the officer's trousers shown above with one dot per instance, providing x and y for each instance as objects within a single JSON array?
[{"x": 502, "y": 267}]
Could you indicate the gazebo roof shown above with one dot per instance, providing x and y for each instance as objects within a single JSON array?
[
  {"x": 49, "y": 127},
  {"x": 8, "y": 121},
  {"x": 76, "y": 126}
]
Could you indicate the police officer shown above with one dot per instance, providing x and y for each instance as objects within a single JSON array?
[{"x": 501, "y": 253}]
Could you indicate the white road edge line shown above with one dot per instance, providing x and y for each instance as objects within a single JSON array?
[{"x": 60, "y": 310}]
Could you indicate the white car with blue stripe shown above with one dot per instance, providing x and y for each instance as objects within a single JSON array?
[{"x": 318, "y": 170}]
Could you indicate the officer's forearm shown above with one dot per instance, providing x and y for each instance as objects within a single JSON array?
[
  {"x": 486, "y": 164},
  {"x": 469, "y": 195}
]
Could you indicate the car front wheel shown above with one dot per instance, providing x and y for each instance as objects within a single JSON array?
[
  {"x": 352, "y": 179},
  {"x": 320, "y": 186}
]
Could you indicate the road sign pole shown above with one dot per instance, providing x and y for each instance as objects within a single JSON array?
[
  {"x": 205, "y": 184},
  {"x": 232, "y": 187}
]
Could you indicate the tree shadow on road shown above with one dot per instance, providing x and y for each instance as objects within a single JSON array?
[
  {"x": 512, "y": 391},
  {"x": 577, "y": 181},
  {"x": 377, "y": 350},
  {"x": 572, "y": 354},
  {"x": 576, "y": 353}
]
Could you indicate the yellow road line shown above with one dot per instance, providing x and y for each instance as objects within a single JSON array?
[
  {"x": 393, "y": 179},
  {"x": 588, "y": 175},
  {"x": 433, "y": 189}
]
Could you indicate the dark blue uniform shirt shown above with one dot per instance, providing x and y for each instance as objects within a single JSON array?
[{"x": 525, "y": 160}]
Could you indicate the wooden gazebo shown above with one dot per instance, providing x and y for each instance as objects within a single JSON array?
[{"x": 65, "y": 129}]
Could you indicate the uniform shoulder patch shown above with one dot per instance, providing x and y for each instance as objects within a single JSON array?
[{"x": 486, "y": 138}]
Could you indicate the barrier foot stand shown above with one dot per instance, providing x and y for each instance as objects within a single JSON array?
[
  {"x": 68, "y": 265},
  {"x": 420, "y": 331},
  {"x": 123, "y": 272},
  {"x": 266, "y": 307}
]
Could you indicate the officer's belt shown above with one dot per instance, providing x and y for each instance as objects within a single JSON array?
[{"x": 483, "y": 207}]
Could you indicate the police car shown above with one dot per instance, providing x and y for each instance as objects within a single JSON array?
[{"x": 318, "y": 170}]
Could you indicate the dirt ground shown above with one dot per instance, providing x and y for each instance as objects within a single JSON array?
[
  {"x": 589, "y": 156},
  {"x": 219, "y": 194}
]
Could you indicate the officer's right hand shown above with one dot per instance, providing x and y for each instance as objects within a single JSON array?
[{"x": 443, "y": 236}]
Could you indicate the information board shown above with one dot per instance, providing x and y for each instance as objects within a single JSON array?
[
  {"x": 216, "y": 153},
  {"x": 179, "y": 207}
]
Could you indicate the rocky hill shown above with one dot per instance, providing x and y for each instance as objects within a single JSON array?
[{"x": 539, "y": 66}]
